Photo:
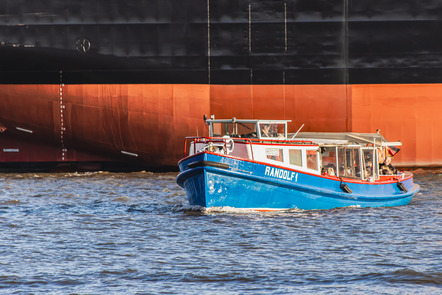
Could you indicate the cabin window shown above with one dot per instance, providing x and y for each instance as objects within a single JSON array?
[
  {"x": 216, "y": 129},
  {"x": 329, "y": 160},
  {"x": 222, "y": 129},
  {"x": 227, "y": 129},
  {"x": 295, "y": 157},
  {"x": 370, "y": 169},
  {"x": 312, "y": 159},
  {"x": 272, "y": 130},
  {"x": 234, "y": 129},
  {"x": 349, "y": 162},
  {"x": 245, "y": 129},
  {"x": 274, "y": 154}
]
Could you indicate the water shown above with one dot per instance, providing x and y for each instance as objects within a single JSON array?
[{"x": 133, "y": 233}]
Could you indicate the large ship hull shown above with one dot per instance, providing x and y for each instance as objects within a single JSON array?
[{"x": 105, "y": 81}]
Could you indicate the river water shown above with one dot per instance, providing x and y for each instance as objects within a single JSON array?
[{"x": 134, "y": 233}]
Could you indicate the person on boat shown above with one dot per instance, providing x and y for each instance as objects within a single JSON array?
[
  {"x": 329, "y": 170},
  {"x": 381, "y": 155},
  {"x": 368, "y": 161},
  {"x": 386, "y": 168},
  {"x": 348, "y": 171},
  {"x": 265, "y": 131}
]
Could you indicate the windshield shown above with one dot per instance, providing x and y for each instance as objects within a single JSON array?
[
  {"x": 271, "y": 130},
  {"x": 233, "y": 129}
]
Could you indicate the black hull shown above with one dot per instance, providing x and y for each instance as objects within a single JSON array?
[
  {"x": 128, "y": 80},
  {"x": 221, "y": 42}
]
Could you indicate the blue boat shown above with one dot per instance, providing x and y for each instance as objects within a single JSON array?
[{"x": 257, "y": 165}]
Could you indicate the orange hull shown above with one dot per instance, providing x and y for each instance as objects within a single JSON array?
[{"x": 146, "y": 123}]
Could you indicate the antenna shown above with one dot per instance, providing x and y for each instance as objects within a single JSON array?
[{"x": 297, "y": 132}]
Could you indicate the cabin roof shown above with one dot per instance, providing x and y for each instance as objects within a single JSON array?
[
  {"x": 254, "y": 121},
  {"x": 345, "y": 138}
]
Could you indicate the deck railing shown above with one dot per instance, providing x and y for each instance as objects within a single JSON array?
[{"x": 224, "y": 141}]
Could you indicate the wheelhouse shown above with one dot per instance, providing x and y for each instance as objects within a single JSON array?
[{"x": 261, "y": 129}]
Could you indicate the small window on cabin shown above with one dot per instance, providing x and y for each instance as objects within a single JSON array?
[
  {"x": 312, "y": 159},
  {"x": 295, "y": 157},
  {"x": 329, "y": 160},
  {"x": 274, "y": 154}
]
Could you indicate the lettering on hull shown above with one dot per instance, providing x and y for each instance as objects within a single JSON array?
[{"x": 281, "y": 174}]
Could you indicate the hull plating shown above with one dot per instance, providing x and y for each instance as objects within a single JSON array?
[
  {"x": 151, "y": 120},
  {"x": 129, "y": 79}
]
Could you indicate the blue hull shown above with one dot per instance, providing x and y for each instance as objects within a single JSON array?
[{"x": 212, "y": 180}]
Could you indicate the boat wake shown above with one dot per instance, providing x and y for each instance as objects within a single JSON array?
[{"x": 227, "y": 209}]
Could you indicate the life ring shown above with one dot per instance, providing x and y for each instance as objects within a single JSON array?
[{"x": 229, "y": 144}]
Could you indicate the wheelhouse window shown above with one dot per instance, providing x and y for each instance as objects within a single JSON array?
[
  {"x": 271, "y": 130},
  {"x": 312, "y": 159},
  {"x": 246, "y": 129},
  {"x": 295, "y": 157},
  {"x": 234, "y": 129}
]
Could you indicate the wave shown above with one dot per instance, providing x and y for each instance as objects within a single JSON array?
[{"x": 400, "y": 276}]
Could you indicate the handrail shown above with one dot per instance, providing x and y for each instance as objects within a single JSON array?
[
  {"x": 251, "y": 141},
  {"x": 201, "y": 139},
  {"x": 204, "y": 139},
  {"x": 251, "y": 148},
  {"x": 288, "y": 141}
]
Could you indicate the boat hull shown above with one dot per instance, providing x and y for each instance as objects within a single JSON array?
[{"x": 212, "y": 180}]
